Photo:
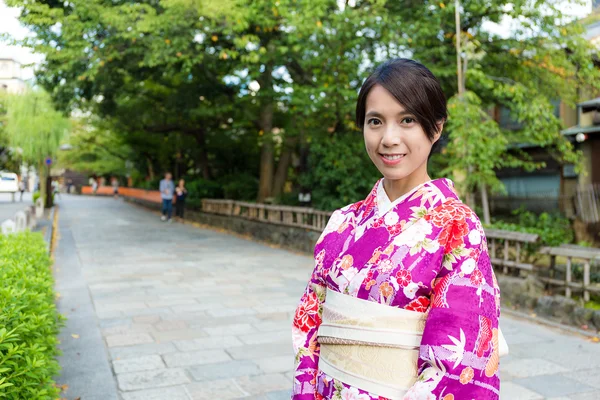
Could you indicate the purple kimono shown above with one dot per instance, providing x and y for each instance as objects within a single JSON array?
[{"x": 424, "y": 252}]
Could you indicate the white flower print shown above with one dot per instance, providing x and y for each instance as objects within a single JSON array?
[
  {"x": 391, "y": 218},
  {"x": 468, "y": 266},
  {"x": 335, "y": 221},
  {"x": 410, "y": 290},
  {"x": 419, "y": 391},
  {"x": 386, "y": 266},
  {"x": 415, "y": 234},
  {"x": 474, "y": 237},
  {"x": 353, "y": 394},
  {"x": 298, "y": 338}
]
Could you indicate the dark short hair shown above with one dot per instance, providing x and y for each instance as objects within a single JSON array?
[{"x": 414, "y": 86}]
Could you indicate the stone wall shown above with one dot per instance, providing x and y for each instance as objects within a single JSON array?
[{"x": 528, "y": 295}]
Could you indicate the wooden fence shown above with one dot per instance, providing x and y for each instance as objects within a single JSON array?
[
  {"x": 586, "y": 255},
  {"x": 300, "y": 217}
]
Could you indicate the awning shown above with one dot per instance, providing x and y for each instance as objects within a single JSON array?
[
  {"x": 574, "y": 130},
  {"x": 590, "y": 105}
]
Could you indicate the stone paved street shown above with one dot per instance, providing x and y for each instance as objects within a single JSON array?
[{"x": 172, "y": 312}]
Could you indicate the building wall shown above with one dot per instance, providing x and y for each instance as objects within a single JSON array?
[{"x": 586, "y": 177}]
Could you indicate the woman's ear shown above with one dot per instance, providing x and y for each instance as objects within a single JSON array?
[{"x": 439, "y": 129}]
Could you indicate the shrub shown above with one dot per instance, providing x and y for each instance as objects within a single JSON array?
[
  {"x": 36, "y": 195},
  {"x": 29, "y": 321},
  {"x": 199, "y": 189},
  {"x": 243, "y": 187},
  {"x": 553, "y": 229}
]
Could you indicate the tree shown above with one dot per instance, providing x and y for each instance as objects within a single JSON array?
[
  {"x": 180, "y": 81},
  {"x": 36, "y": 129}
]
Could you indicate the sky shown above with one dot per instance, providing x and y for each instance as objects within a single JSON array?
[{"x": 9, "y": 24}]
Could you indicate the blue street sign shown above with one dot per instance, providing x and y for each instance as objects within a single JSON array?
[{"x": 48, "y": 161}]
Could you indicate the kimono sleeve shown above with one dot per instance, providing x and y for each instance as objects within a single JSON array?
[
  {"x": 459, "y": 355},
  {"x": 307, "y": 319}
]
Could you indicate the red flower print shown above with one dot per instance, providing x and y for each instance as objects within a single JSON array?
[
  {"x": 370, "y": 284},
  {"x": 453, "y": 217},
  {"x": 318, "y": 396},
  {"x": 450, "y": 213},
  {"x": 476, "y": 278},
  {"x": 377, "y": 223},
  {"x": 307, "y": 313},
  {"x": 386, "y": 289},
  {"x": 403, "y": 277},
  {"x": 394, "y": 229},
  {"x": 419, "y": 304}
]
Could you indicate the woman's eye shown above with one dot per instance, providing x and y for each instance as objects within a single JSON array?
[
  {"x": 408, "y": 120},
  {"x": 373, "y": 122}
]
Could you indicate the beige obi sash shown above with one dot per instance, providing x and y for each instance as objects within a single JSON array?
[{"x": 369, "y": 345}]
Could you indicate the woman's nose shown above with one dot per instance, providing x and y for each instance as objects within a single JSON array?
[{"x": 392, "y": 136}]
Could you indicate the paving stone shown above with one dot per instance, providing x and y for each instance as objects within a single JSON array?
[
  {"x": 523, "y": 368},
  {"x": 276, "y": 364},
  {"x": 512, "y": 391},
  {"x": 180, "y": 334},
  {"x": 222, "y": 389},
  {"x": 553, "y": 385},
  {"x": 152, "y": 379},
  {"x": 170, "y": 325},
  {"x": 141, "y": 350},
  {"x": 196, "y": 358},
  {"x": 128, "y": 339},
  {"x": 268, "y": 337},
  {"x": 170, "y": 393},
  {"x": 590, "y": 377},
  {"x": 145, "y": 363},
  {"x": 260, "y": 351},
  {"x": 224, "y": 370},
  {"x": 147, "y": 319},
  {"x": 230, "y": 312},
  {"x": 263, "y": 383},
  {"x": 212, "y": 342},
  {"x": 232, "y": 329}
]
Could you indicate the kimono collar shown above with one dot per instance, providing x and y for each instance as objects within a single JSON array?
[{"x": 384, "y": 204}]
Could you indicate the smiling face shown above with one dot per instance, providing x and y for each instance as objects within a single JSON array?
[{"x": 395, "y": 141}]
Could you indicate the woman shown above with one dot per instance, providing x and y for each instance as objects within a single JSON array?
[
  {"x": 403, "y": 302},
  {"x": 181, "y": 194}
]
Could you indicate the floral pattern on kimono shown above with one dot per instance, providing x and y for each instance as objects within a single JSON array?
[{"x": 425, "y": 252}]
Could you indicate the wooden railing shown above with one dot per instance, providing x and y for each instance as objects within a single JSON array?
[
  {"x": 500, "y": 241},
  {"x": 300, "y": 217},
  {"x": 570, "y": 252}
]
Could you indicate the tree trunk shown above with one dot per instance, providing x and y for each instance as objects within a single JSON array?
[
  {"x": 265, "y": 187},
  {"x": 486, "y": 205},
  {"x": 283, "y": 166},
  {"x": 203, "y": 160},
  {"x": 150, "y": 168}
]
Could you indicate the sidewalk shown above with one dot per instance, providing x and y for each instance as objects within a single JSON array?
[{"x": 171, "y": 312}]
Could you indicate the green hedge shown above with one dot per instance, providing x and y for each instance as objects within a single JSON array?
[{"x": 29, "y": 322}]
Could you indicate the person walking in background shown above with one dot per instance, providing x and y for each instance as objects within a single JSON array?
[
  {"x": 94, "y": 185},
  {"x": 181, "y": 194},
  {"x": 21, "y": 188},
  {"x": 115, "y": 185},
  {"x": 56, "y": 188},
  {"x": 167, "y": 189}
]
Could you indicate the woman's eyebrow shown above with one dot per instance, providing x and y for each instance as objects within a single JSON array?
[{"x": 379, "y": 115}]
